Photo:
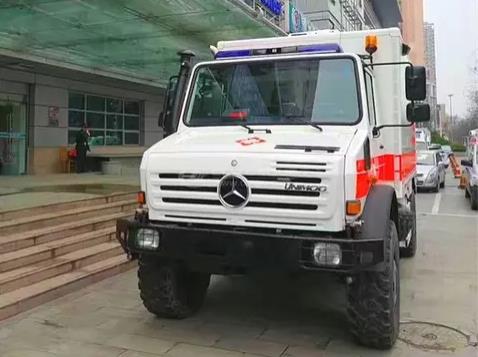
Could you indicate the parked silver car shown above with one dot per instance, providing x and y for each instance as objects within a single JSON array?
[
  {"x": 431, "y": 171},
  {"x": 470, "y": 171}
]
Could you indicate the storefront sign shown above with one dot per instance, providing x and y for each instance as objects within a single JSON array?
[
  {"x": 275, "y": 6},
  {"x": 53, "y": 116},
  {"x": 297, "y": 22}
]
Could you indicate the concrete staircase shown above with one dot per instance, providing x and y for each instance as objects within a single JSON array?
[{"x": 49, "y": 251}]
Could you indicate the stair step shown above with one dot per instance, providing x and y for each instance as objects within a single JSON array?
[
  {"x": 29, "y": 222},
  {"x": 33, "y": 295},
  {"x": 63, "y": 206},
  {"x": 53, "y": 249},
  {"x": 31, "y": 274},
  {"x": 38, "y": 236}
]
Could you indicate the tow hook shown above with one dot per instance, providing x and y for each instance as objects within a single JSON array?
[{"x": 357, "y": 223}]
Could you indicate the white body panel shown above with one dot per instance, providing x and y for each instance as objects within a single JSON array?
[{"x": 215, "y": 152}]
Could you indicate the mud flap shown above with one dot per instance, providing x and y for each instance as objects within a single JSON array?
[{"x": 405, "y": 223}]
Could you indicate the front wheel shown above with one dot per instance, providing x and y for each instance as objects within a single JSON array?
[
  {"x": 442, "y": 185},
  {"x": 169, "y": 289},
  {"x": 374, "y": 299}
]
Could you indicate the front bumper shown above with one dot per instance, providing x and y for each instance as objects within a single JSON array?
[{"x": 217, "y": 250}]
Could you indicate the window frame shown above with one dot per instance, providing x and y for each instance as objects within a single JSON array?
[
  {"x": 105, "y": 113},
  {"x": 369, "y": 76},
  {"x": 268, "y": 59}
]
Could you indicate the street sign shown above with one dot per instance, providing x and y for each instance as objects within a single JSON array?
[{"x": 275, "y": 6}]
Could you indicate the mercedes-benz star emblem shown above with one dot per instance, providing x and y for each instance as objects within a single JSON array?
[{"x": 233, "y": 191}]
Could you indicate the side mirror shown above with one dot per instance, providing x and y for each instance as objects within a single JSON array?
[
  {"x": 418, "y": 113},
  {"x": 416, "y": 83},
  {"x": 466, "y": 163}
]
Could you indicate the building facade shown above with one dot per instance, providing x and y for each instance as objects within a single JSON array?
[
  {"x": 351, "y": 15},
  {"x": 413, "y": 29},
  {"x": 430, "y": 63},
  {"x": 105, "y": 65},
  {"x": 42, "y": 110}
]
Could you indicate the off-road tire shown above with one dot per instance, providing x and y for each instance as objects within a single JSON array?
[
  {"x": 474, "y": 198},
  {"x": 374, "y": 299},
  {"x": 169, "y": 289},
  {"x": 411, "y": 249}
]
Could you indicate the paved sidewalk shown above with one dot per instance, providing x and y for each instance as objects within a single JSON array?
[
  {"x": 18, "y": 192},
  {"x": 281, "y": 317}
]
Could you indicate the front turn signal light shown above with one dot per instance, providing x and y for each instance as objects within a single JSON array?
[
  {"x": 353, "y": 208},
  {"x": 141, "y": 198}
]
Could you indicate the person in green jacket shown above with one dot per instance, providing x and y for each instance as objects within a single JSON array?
[{"x": 81, "y": 148}]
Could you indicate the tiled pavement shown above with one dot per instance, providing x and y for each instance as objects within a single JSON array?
[
  {"x": 242, "y": 317},
  {"x": 261, "y": 316}
]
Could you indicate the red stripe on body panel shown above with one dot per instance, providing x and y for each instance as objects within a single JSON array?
[{"x": 383, "y": 169}]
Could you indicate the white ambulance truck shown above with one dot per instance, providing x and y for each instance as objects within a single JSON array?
[{"x": 292, "y": 154}]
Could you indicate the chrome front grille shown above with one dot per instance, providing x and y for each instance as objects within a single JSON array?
[
  {"x": 313, "y": 167},
  {"x": 267, "y": 191}
]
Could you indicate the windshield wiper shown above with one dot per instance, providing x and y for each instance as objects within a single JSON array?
[
  {"x": 312, "y": 124},
  {"x": 252, "y": 130},
  {"x": 248, "y": 128}
]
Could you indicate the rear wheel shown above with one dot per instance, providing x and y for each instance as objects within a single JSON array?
[
  {"x": 169, "y": 289},
  {"x": 474, "y": 198},
  {"x": 374, "y": 299}
]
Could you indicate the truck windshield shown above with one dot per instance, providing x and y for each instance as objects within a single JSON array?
[{"x": 286, "y": 92}]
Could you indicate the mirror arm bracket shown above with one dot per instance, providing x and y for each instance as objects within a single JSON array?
[
  {"x": 388, "y": 64},
  {"x": 376, "y": 130}
]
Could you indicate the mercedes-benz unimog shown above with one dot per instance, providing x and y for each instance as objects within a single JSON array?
[{"x": 290, "y": 154}]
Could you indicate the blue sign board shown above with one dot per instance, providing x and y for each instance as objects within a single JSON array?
[{"x": 273, "y": 5}]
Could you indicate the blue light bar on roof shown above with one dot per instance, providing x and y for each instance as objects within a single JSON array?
[
  {"x": 322, "y": 48},
  {"x": 232, "y": 54},
  {"x": 319, "y": 48}
]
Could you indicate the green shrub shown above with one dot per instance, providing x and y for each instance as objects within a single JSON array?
[{"x": 458, "y": 147}]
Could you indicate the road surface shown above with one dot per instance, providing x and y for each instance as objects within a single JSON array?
[{"x": 284, "y": 316}]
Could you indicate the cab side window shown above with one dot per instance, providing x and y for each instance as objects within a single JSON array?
[{"x": 370, "y": 98}]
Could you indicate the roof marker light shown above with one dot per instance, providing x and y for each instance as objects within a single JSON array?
[{"x": 371, "y": 44}]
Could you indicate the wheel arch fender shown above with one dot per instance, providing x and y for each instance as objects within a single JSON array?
[{"x": 381, "y": 205}]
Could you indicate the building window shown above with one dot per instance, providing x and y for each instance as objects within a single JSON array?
[{"x": 111, "y": 121}]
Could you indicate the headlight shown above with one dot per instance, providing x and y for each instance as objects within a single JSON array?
[
  {"x": 147, "y": 239},
  {"x": 432, "y": 175},
  {"x": 327, "y": 254}
]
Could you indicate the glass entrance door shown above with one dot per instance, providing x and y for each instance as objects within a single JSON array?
[{"x": 12, "y": 136}]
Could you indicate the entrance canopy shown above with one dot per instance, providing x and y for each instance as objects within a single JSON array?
[{"x": 135, "y": 39}]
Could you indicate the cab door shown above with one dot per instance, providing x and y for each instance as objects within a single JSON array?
[{"x": 372, "y": 145}]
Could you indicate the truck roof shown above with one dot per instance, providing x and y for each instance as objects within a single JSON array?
[{"x": 351, "y": 42}]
